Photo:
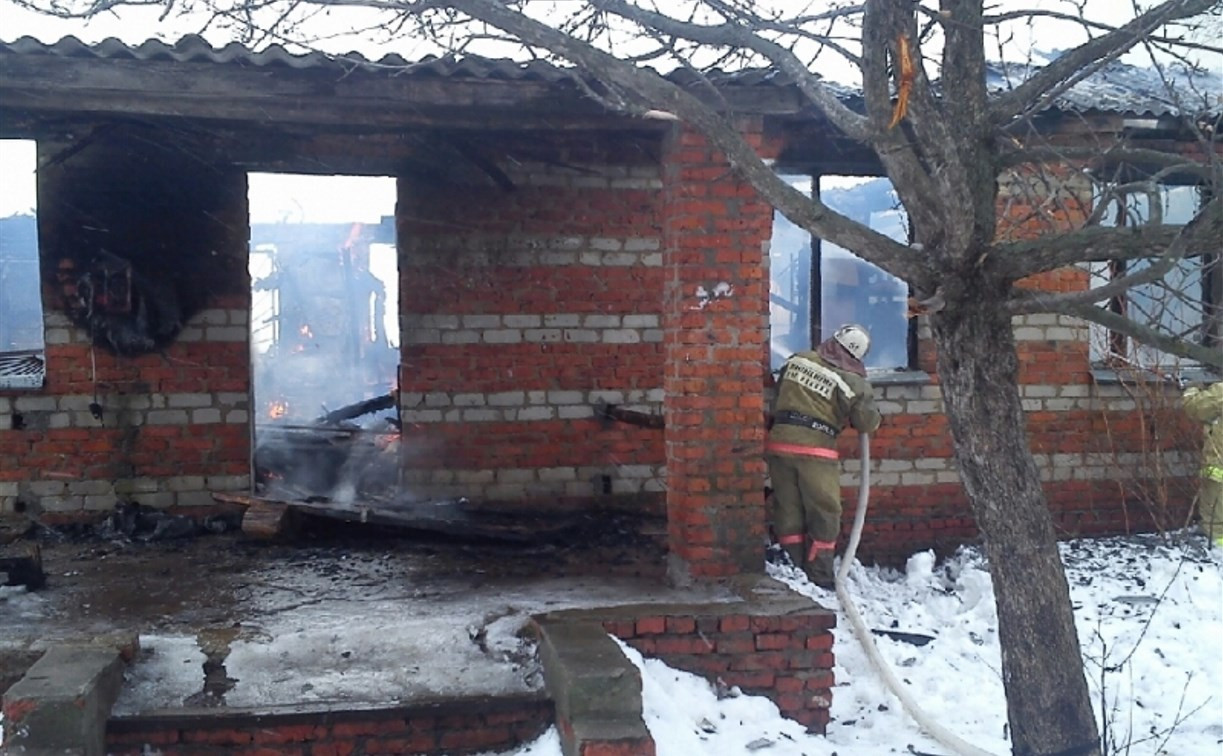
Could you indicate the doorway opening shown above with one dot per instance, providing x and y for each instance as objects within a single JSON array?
[{"x": 324, "y": 331}]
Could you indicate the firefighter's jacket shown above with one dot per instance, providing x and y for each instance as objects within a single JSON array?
[
  {"x": 1206, "y": 407},
  {"x": 811, "y": 386}
]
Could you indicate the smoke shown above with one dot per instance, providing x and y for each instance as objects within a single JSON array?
[{"x": 325, "y": 361}]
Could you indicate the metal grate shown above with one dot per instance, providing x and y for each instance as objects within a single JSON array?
[{"x": 25, "y": 369}]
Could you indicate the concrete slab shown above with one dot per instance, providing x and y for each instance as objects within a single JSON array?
[
  {"x": 62, "y": 703},
  {"x": 333, "y": 621}
]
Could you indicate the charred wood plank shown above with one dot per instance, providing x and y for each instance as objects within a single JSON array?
[
  {"x": 245, "y": 500},
  {"x": 448, "y": 517},
  {"x": 264, "y": 518},
  {"x": 269, "y": 520},
  {"x": 357, "y": 409},
  {"x": 273, "y": 518}
]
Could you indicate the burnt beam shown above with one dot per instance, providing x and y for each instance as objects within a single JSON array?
[{"x": 612, "y": 412}]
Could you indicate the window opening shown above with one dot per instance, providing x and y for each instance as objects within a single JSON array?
[
  {"x": 22, "y": 360},
  {"x": 847, "y": 288},
  {"x": 1184, "y": 304}
]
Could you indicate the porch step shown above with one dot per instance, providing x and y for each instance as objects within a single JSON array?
[
  {"x": 62, "y": 703},
  {"x": 596, "y": 691}
]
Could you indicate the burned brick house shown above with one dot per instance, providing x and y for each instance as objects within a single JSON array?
[
  {"x": 553, "y": 259},
  {"x": 588, "y": 308}
]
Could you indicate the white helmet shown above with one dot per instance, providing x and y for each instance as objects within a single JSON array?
[{"x": 854, "y": 338}]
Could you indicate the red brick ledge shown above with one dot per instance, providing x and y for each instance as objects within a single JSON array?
[
  {"x": 774, "y": 643},
  {"x": 451, "y": 726}
]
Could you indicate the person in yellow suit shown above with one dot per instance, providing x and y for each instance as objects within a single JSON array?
[
  {"x": 821, "y": 391},
  {"x": 1205, "y": 405}
]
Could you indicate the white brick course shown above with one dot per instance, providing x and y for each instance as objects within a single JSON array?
[
  {"x": 520, "y": 483},
  {"x": 529, "y": 251}
]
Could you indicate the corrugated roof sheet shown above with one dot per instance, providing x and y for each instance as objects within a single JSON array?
[
  {"x": 195, "y": 49},
  {"x": 1122, "y": 88},
  {"x": 1116, "y": 88}
]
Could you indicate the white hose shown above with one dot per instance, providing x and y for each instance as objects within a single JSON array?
[{"x": 932, "y": 728}]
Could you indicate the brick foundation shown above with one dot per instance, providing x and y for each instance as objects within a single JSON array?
[
  {"x": 787, "y": 659},
  {"x": 453, "y": 727},
  {"x": 775, "y": 644}
]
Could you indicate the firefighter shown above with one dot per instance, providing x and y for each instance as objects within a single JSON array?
[
  {"x": 1205, "y": 405},
  {"x": 819, "y": 392}
]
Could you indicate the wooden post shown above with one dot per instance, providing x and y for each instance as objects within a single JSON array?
[{"x": 267, "y": 520}]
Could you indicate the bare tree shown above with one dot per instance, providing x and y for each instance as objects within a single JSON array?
[{"x": 948, "y": 142}]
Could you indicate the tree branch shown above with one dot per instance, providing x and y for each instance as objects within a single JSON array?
[
  {"x": 1041, "y": 301},
  {"x": 1030, "y": 13},
  {"x": 1147, "y": 336},
  {"x": 794, "y": 26},
  {"x": 1095, "y": 157},
  {"x": 907, "y": 167},
  {"x": 1020, "y": 259},
  {"x": 734, "y": 35}
]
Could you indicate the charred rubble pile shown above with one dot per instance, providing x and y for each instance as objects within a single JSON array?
[
  {"x": 21, "y": 540},
  {"x": 342, "y": 468},
  {"x": 129, "y": 522},
  {"x": 332, "y": 458}
]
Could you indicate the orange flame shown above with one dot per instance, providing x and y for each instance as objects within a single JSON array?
[
  {"x": 278, "y": 409},
  {"x": 386, "y": 441}
]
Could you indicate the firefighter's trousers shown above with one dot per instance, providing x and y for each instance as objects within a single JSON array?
[{"x": 807, "y": 502}]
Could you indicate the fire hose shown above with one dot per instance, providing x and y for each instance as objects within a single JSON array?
[{"x": 932, "y": 728}]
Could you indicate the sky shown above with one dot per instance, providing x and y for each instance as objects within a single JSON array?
[
  {"x": 343, "y": 30},
  {"x": 296, "y": 198},
  {"x": 1149, "y": 613},
  {"x": 17, "y": 163}
]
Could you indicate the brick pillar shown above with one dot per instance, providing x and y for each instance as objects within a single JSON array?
[{"x": 715, "y": 322}]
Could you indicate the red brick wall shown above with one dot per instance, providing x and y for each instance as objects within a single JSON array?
[
  {"x": 523, "y": 310},
  {"x": 455, "y": 727},
  {"x": 174, "y": 424},
  {"x": 1114, "y": 458}
]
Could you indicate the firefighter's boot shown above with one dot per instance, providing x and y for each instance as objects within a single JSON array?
[
  {"x": 794, "y": 548},
  {"x": 819, "y": 566}
]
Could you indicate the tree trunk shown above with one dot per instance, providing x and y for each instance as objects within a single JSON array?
[{"x": 1048, "y": 704}]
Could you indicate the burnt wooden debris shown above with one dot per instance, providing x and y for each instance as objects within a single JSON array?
[
  {"x": 357, "y": 409},
  {"x": 300, "y": 461},
  {"x": 268, "y": 518},
  {"x": 25, "y": 569}
]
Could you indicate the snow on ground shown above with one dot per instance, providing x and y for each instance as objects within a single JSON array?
[
  {"x": 1149, "y": 612},
  {"x": 1150, "y": 619}
]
